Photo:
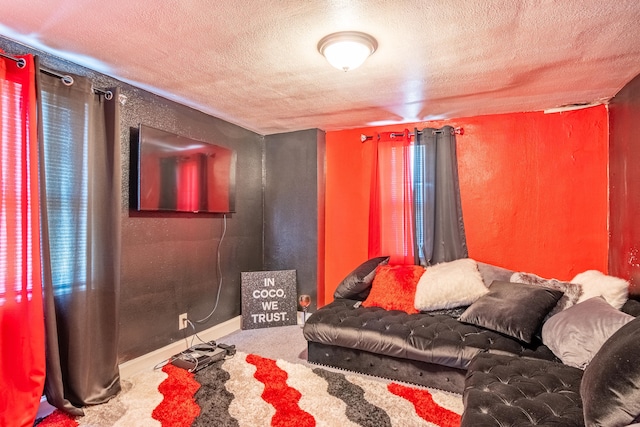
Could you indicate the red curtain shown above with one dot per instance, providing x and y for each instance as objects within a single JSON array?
[
  {"x": 390, "y": 207},
  {"x": 21, "y": 313}
]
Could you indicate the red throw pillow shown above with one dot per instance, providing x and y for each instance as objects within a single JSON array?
[{"x": 394, "y": 287}]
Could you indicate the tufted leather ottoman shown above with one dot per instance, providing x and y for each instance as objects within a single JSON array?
[{"x": 518, "y": 391}]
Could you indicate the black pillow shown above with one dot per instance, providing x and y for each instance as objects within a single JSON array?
[
  {"x": 610, "y": 387},
  {"x": 514, "y": 309},
  {"x": 357, "y": 284},
  {"x": 631, "y": 307}
]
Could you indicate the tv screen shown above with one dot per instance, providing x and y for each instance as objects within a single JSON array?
[{"x": 181, "y": 174}]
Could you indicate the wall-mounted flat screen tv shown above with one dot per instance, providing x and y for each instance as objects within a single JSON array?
[{"x": 181, "y": 174}]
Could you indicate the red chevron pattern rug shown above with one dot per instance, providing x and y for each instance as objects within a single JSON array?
[{"x": 250, "y": 390}]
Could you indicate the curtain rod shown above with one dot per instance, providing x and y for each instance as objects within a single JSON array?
[
  {"x": 67, "y": 80},
  {"x": 455, "y": 131},
  {"x": 21, "y": 62}
]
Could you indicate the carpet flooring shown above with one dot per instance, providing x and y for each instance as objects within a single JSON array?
[
  {"x": 284, "y": 343},
  {"x": 267, "y": 383}
]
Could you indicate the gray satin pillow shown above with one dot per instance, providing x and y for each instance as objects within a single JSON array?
[
  {"x": 512, "y": 309},
  {"x": 490, "y": 273},
  {"x": 572, "y": 291},
  {"x": 576, "y": 334}
]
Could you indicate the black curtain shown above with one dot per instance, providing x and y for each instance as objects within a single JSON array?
[
  {"x": 80, "y": 181},
  {"x": 439, "y": 227}
]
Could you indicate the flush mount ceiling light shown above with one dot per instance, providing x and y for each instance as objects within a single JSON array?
[{"x": 347, "y": 50}]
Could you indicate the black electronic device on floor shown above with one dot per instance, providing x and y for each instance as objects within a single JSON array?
[{"x": 200, "y": 356}]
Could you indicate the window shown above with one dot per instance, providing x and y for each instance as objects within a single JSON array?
[
  {"x": 420, "y": 187},
  {"x": 66, "y": 185}
]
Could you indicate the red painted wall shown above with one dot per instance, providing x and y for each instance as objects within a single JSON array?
[
  {"x": 533, "y": 189},
  {"x": 624, "y": 176}
]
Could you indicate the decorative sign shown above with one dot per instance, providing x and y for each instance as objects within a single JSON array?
[{"x": 269, "y": 299}]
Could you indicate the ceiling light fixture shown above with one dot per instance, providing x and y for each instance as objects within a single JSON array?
[{"x": 347, "y": 50}]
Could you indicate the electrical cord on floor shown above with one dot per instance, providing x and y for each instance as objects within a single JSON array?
[
  {"x": 187, "y": 352},
  {"x": 174, "y": 357}
]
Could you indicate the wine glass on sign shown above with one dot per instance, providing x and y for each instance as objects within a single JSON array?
[{"x": 304, "y": 300}]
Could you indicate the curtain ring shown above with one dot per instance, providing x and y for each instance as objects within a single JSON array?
[
  {"x": 108, "y": 95},
  {"x": 67, "y": 80},
  {"x": 21, "y": 63}
]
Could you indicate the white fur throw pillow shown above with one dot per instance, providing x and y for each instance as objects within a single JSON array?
[
  {"x": 594, "y": 283},
  {"x": 449, "y": 284}
]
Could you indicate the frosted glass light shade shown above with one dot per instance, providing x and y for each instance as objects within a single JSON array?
[{"x": 347, "y": 50}]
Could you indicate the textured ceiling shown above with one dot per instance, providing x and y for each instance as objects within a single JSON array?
[{"x": 255, "y": 63}]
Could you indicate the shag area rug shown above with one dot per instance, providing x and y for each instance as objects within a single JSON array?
[{"x": 250, "y": 390}]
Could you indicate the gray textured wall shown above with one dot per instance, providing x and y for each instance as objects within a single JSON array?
[
  {"x": 169, "y": 260},
  {"x": 294, "y": 207}
]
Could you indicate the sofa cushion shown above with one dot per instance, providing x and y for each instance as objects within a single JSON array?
[
  {"x": 594, "y": 283},
  {"x": 449, "y": 284},
  {"x": 394, "y": 287},
  {"x": 572, "y": 291},
  {"x": 610, "y": 386},
  {"x": 357, "y": 284},
  {"x": 513, "y": 391},
  {"x": 513, "y": 309},
  {"x": 576, "y": 334}
]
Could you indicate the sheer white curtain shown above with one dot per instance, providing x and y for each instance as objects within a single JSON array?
[{"x": 390, "y": 207}]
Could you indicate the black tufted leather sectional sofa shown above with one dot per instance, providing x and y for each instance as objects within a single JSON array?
[
  {"x": 514, "y": 391},
  {"x": 522, "y": 392},
  {"x": 503, "y": 381},
  {"x": 424, "y": 349}
]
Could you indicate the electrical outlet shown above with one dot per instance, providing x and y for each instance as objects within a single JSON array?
[{"x": 182, "y": 321}]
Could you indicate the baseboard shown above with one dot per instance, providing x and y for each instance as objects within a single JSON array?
[{"x": 149, "y": 360}]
